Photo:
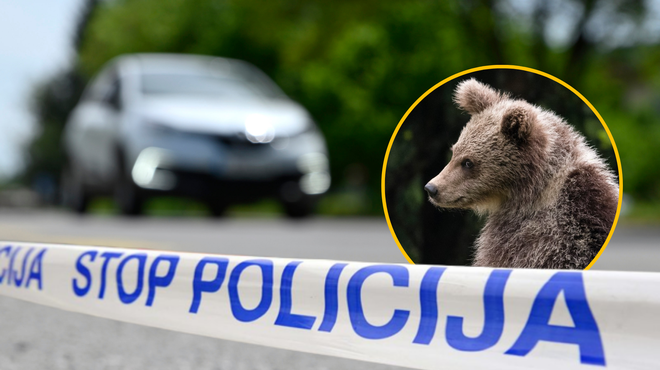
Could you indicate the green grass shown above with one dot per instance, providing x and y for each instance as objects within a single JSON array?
[
  {"x": 347, "y": 203},
  {"x": 158, "y": 207},
  {"x": 183, "y": 207},
  {"x": 344, "y": 204},
  {"x": 647, "y": 212},
  {"x": 267, "y": 208}
]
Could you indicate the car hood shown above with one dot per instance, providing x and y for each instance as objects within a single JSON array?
[{"x": 223, "y": 116}]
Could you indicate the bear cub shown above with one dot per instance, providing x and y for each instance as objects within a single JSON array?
[{"x": 549, "y": 199}]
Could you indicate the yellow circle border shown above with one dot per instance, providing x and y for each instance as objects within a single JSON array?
[{"x": 502, "y": 66}]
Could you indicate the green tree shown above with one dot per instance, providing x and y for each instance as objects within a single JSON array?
[{"x": 358, "y": 65}]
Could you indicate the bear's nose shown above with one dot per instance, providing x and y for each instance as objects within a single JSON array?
[{"x": 431, "y": 190}]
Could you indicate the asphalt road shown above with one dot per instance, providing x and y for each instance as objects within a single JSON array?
[
  {"x": 37, "y": 337},
  {"x": 341, "y": 239}
]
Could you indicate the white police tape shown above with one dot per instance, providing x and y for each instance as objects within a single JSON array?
[{"x": 426, "y": 317}]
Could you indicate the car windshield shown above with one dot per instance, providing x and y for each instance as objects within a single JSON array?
[{"x": 171, "y": 84}]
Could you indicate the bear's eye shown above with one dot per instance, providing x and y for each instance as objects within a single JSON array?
[{"x": 467, "y": 163}]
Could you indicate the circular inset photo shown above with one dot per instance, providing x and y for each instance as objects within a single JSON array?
[{"x": 502, "y": 166}]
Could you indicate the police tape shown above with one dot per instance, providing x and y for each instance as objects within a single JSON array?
[{"x": 425, "y": 317}]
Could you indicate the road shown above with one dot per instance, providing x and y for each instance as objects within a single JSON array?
[{"x": 37, "y": 337}]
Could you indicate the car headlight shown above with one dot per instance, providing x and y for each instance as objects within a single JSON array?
[{"x": 259, "y": 129}]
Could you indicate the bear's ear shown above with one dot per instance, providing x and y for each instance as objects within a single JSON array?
[
  {"x": 518, "y": 122},
  {"x": 473, "y": 97}
]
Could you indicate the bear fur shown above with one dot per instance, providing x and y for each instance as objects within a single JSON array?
[{"x": 549, "y": 199}]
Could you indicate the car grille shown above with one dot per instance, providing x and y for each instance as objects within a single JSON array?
[{"x": 237, "y": 141}]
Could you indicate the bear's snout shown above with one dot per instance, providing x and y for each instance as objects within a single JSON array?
[
  {"x": 446, "y": 190},
  {"x": 431, "y": 190}
]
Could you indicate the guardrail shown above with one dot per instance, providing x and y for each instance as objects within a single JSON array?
[{"x": 425, "y": 317}]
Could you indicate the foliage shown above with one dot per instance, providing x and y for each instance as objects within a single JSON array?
[
  {"x": 52, "y": 101},
  {"x": 358, "y": 65}
]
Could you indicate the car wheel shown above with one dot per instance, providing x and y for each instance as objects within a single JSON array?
[
  {"x": 218, "y": 208},
  {"x": 127, "y": 196},
  {"x": 74, "y": 194},
  {"x": 302, "y": 208}
]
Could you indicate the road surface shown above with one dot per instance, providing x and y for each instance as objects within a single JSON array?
[{"x": 37, "y": 337}]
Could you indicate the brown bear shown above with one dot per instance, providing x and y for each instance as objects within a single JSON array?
[{"x": 550, "y": 200}]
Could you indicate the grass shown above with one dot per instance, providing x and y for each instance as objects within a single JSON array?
[
  {"x": 647, "y": 212},
  {"x": 345, "y": 203},
  {"x": 183, "y": 207}
]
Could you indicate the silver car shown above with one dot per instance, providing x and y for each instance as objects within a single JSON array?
[{"x": 214, "y": 129}]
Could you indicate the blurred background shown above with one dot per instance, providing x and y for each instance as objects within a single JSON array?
[
  {"x": 353, "y": 68},
  {"x": 421, "y": 149}
]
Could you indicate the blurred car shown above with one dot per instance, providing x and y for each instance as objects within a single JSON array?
[{"x": 214, "y": 129}]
